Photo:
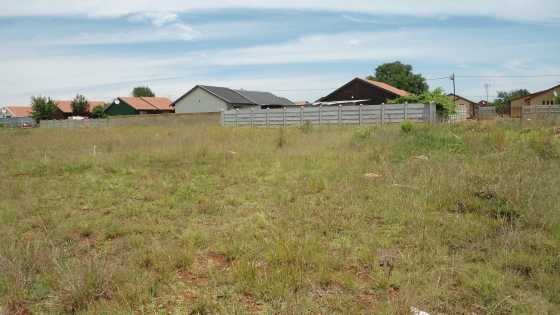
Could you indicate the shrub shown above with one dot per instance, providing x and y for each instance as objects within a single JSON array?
[
  {"x": 444, "y": 104},
  {"x": 406, "y": 127},
  {"x": 98, "y": 112}
]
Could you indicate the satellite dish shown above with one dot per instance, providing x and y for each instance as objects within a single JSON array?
[
  {"x": 555, "y": 94},
  {"x": 117, "y": 101}
]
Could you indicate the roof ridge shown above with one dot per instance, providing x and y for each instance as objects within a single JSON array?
[
  {"x": 148, "y": 102},
  {"x": 531, "y": 95},
  {"x": 245, "y": 97},
  {"x": 391, "y": 87}
]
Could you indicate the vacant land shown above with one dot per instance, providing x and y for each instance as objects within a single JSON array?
[{"x": 459, "y": 219}]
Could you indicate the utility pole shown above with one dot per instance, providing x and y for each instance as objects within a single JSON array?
[
  {"x": 487, "y": 88},
  {"x": 452, "y": 78}
]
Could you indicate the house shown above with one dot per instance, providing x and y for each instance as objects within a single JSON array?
[
  {"x": 361, "y": 91},
  {"x": 213, "y": 99},
  {"x": 464, "y": 105},
  {"x": 139, "y": 106},
  {"x": 483, "y": 104},
  {"x": 545, "y": 97},
  {"x": 302, "y": 103},
  {"x": 64, "y": 108},
  {"x": 16, "y": 112}
]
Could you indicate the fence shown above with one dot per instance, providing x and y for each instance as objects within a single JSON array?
[
  {"x": 458, "y": 116},
  {"x": 341, "y": 115},
  {"x": 18, "y": 122},
  {"x": 486, "y": 113},
  {"x": 138, "y": 120},
  {"x": 88, "y": 123},
  {"x": 541, "y": 112}
]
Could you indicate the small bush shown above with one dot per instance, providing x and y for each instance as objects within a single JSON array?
[{"x": 406, "y": 127}]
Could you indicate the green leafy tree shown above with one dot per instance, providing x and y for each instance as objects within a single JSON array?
[
  {"x": 142, "y": 91},
  {"x": 503, "y": 101},
  {"x": 400, "y": 76},
  {"x": 98, "y": 112},
  {"x": 443, "y": 103},
  {"x": 43, "y": 108},
  {"x": 80, "y": 106}
]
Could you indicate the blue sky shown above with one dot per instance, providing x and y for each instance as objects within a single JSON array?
[{"x": 298, "y": 49}]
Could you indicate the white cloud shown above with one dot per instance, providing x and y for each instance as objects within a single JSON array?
[
  {"x": 518, "y": 10},
  {"x": 156, "y": 18},
  {"x": 416, "y": 44},
  {"x": 107, "y": 76},
  {"x": 172, "y": 32}
]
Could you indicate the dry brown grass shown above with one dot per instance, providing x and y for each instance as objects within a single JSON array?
[{"x": 171, "y": 220}]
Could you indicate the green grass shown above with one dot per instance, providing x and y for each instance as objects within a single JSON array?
[{"x": 451, "y": 219}]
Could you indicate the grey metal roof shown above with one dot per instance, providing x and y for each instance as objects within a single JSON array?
[
  {"x": 227, "y": 95},
  {"x": 265, "y": 98}
]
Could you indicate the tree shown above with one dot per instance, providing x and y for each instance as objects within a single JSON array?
[
  {"x": 400, "y": 76},
  {"x": 42, "y": 108},
  {"x": 98, "y": 112},
  {"x": 443, "y": 103},
  {"x": 80, "y": 106},
  {"x": 503, "y": 101},
  {"x": 142, "y": 91}
]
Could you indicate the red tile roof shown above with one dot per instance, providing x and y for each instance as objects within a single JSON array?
[
  {"x": 66, "y": 106},
  {"x": 20, "y": 111},
  {"x": 148, "y": 103},
  {"x": 161, "y": 103},
  {"x": 388, "y": 88}
]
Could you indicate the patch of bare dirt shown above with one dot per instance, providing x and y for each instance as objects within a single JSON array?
[
  {"x": 218, "y": 260},
  {"x": 251, "y": 303},
  {"x": 17, "y": 308},
  {"x": 193, "y": 279},
  {"x": 367, "y": 299},
  {"x": 189, "y": 296}
]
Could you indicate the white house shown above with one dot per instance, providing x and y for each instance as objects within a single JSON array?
[{"x": 213, "y": 99}]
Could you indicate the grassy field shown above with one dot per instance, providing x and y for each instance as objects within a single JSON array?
[{"x": 461, "y": 219}]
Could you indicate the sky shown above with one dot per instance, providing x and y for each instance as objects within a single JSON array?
[{"x": 301, "y": 50}]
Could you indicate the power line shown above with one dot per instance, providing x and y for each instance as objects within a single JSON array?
[
  {"x": 508, "y": 76},
  {"x": 305, "y": 90},
  {"x": 442, "y": 78}
]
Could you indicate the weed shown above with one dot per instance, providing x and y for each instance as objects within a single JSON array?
[
  {"x": 307, "y": 127},
  {"x": 362, "y": 134},
  {"x": 281, "y": 139}
]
